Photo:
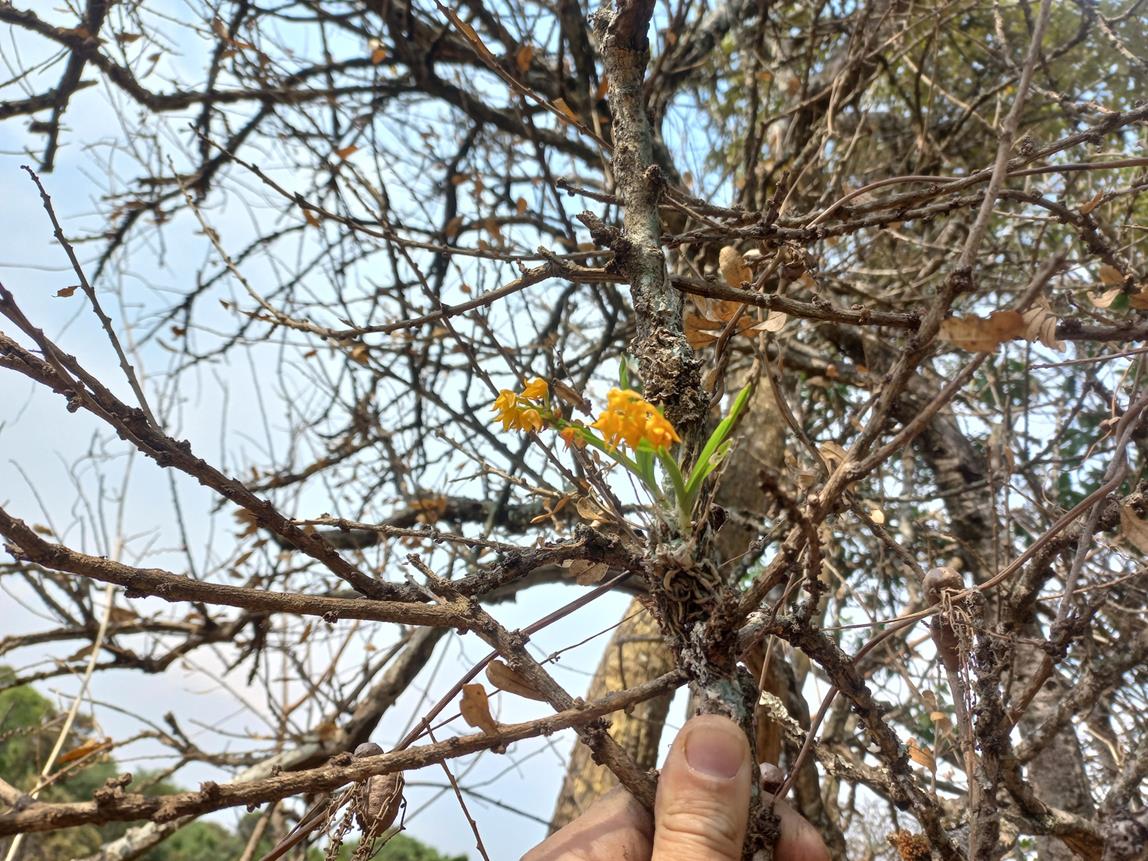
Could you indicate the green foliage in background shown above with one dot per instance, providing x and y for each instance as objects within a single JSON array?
[{"x": 29, "y": 725}]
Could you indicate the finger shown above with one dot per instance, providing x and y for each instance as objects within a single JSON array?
[
  {"x": 703, "y": 795},
  {"x": 798, "y": 840},
  {"x": 613, "y": 827}
]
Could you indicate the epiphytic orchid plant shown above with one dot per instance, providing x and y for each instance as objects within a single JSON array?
[{"x": 633, "y": 433}]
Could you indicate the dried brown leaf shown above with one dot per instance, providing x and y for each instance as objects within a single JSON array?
[
  {"x": 1110, "y": 275},
  {"x": 833, "y": 453},
  {"x": 774, "y": 322},
  {"x": 922, "y": 755},
  {"x": 585, "y": 572},
  {"x": 733, "y": 267},
  {"x": 88, "y": 747},
  {"x": 980, "y": 335},
  {"x": 475, "y": 708},
  {"x": 1139, "y": 299},
  {"x": 1103, "y": 300},
  {"x": 1092, "y": 204},
  {"x": 505, "y": 679},
  {"x": 522, "y": 58},
  {"x": 1040, "y": 325},
  {"x": 701, "y": 331},
  {"x": 1133, "y": 528},
  {"x": 566, "y": 110}
]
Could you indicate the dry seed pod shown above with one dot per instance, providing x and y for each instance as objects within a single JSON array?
[
  {"x": 936, "y": 582},
  {"x": 381, "y": 800},
  {"x": 940, "y": 579}
]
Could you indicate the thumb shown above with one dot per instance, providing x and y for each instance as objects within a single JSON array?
[{"x": 703, "y": 794}]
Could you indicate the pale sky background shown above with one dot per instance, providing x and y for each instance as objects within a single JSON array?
[{"x": 66, "y": 471}]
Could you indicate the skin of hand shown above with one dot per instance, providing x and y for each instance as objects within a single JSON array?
[{"x": 700, "y": 812}]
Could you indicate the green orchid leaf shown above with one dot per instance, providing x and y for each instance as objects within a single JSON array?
[{"x": 703, "y": 468}]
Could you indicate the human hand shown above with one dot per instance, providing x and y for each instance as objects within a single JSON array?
[{"x": 700, "y": 813}]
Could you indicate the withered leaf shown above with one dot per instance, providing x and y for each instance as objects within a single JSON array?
[
  {"x": 505, "y": 679},
  {"x": 585, "y": 572},
  {"x": 978, "y": 335},
  {"x": 833, "y": 453},
  {"x": 774, "y": 322},
  {"x": 522, "y": 58},
  {"x": 88, "y": 747},
  {"x": 475, "y": 708},
  {"x": 1105, "y": 299},
  {"x": 921, "y": 755},
  {"x": 1134, "y": 528},
  {"x": 941, "y": 722},
  {"x": 65, "y": 292},
  {"x": 565, "y": 109},
  {"x": 1110, "y": 275},
  {"x": 1092, "y": 204},
  {"x": 1139, "y": 299},
  {"x": 733, "y": 267},
  {"x": 1040, "y": 325}
]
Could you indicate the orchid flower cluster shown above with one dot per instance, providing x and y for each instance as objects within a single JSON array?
[{"x": 631, "y": 422}]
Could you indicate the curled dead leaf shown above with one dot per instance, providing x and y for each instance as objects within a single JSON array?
[
  {"x": 701, "y": 331},
  {"x": 774, "y": 322},
  {"x": 585, "y": 572},
  {"x": 833, "y": 453},
  {"x": 1092, "y": 204},
  {"x": 1105, "y": 299},
  {"x": 941, "y": 722},
  {"x": 505, "y": 679},
  {"x": 733, "y": 267},
  {"x": 1040, "y": 325}
]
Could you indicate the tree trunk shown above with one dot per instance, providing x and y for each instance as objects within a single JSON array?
[{"x": 636, "y": 654}]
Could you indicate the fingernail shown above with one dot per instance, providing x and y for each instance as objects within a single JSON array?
[{"x": 715, "y": 751}]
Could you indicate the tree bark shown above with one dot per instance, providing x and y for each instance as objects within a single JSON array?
[{"x": 636, "y": 654}]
